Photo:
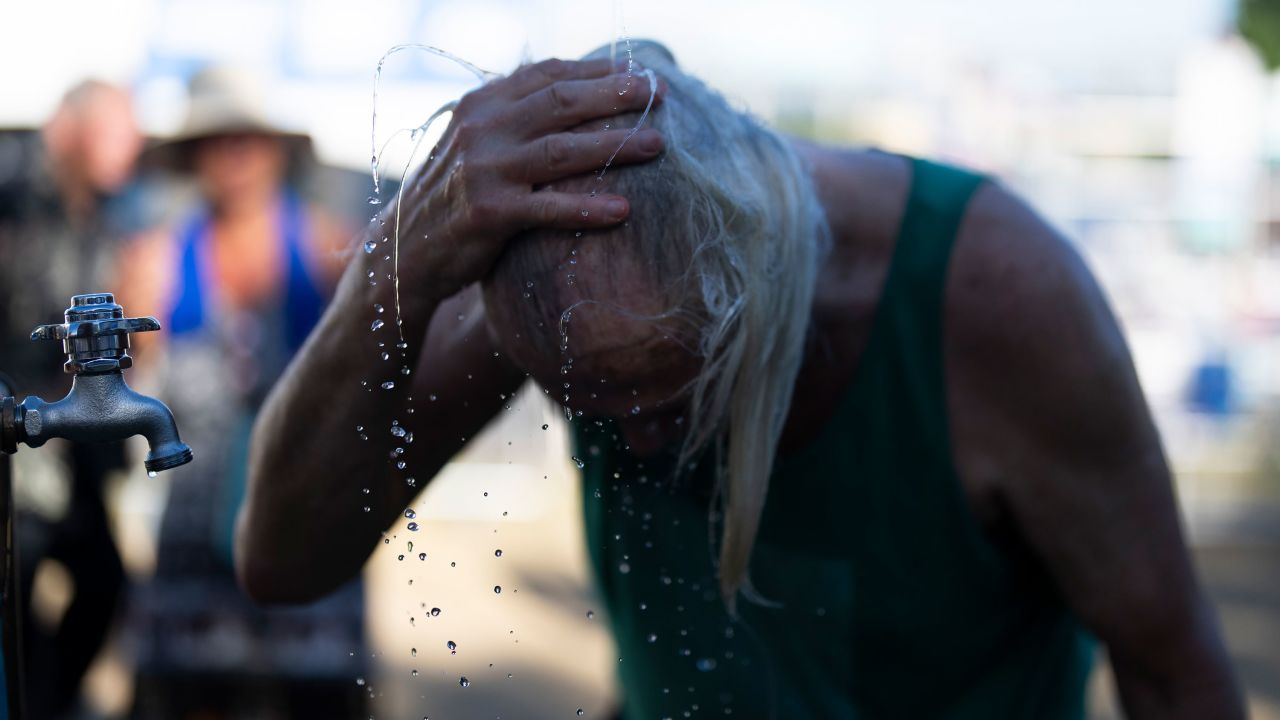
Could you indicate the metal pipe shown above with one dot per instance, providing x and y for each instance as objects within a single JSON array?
[{"x": 10, "y": 591}]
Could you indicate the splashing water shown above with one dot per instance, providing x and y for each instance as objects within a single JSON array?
[
  {"x": 481, "y": 74},
  {"x": 418, "y": 134},
  {"x": 653, "y": 92}
]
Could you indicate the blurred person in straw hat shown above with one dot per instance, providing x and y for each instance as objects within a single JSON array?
[{"x": 237, "y": 285}]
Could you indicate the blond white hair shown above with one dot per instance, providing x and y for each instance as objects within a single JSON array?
[{"x": 738, "y": 224}]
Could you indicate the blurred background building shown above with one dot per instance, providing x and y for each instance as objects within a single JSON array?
[{"x": 1148, "y": 131}]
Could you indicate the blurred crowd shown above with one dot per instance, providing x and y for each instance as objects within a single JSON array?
[{"x": 217, "y": 231}]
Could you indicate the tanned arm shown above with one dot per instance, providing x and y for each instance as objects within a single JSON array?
[
  {"x": 302, "y": 530},
  {"x": 1047, "y": 403}
]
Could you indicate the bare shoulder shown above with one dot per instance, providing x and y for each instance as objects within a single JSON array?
[{"x": 1030, "y": 332}]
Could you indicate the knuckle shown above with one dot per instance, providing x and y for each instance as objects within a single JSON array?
[
  {"x": 561, "y": 99},
  {"x": 468, "y": 104},
  {"x": 556, "y": 152},
  {"x": 485, "y": 209},
  {"x": 466, "y": 131},
  {"x": 553, "y": 68},
  {"x": 543, "y": 211}
]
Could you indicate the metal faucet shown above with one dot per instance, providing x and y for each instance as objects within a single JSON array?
[{"x": 100, "y": 407}]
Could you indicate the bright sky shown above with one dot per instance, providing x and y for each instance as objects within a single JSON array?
[{"x": 319, "y": 54}]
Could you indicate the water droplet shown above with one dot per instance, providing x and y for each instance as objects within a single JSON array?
[
  {"x": 497, "y": 553},
  {"x": 360, "y": 681},
  {"x": 624, "y": 568},
  {"x": 705, "y": 664},
  {"x": 386, "y": 355},
  {"x": 151, "y": 473},
  {"x": 578, "y": 462},
  {"x": 374, "y": 200},
  {"x": 398, "y": 431},
  {"x": 359, "y": 428},
  {"x": 591, "y": 615},
  {"x": 635, "y": 410},
  {"x": 422, "y": 556},
  {"x": 404, "y": 370},
  {"x": 464, "y": 682},
  {"x": 377, "y": 308},
  {"x": 453, "y": 647},
  {"x": 366, "y": 508},
  {"x": 435, "y": 612},
  {"x": 653, "y": 637},
  {"x": 413, "y": 652},
  {"x": 545, "y": 426},
  {"x": 369, "y": 246},
  {"x": 497, "y": 589},
  {"x": 580, "y": 711},
  {"x": 413, "y": 673},
  {"x": 377, "y": 325},
  {"x": 584, "y": 212},
  {"x": 388, "y": 385},
  {"x": 412, "y": 527},
  {"x": 409, "y": 513},
  {"x": 411, "y": 482}
]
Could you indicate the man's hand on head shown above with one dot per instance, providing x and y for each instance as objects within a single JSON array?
[{"x": 506, "y": 141}]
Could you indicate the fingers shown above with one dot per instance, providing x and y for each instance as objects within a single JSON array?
[
  {"x": 529, "y": 79},
  {"x": 571, "y": 211},
  {"x": 562, "y": 155},
  {"x": 566, "y": 104}
]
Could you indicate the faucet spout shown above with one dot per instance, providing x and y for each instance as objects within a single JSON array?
[{"x": 102, "y": 407}]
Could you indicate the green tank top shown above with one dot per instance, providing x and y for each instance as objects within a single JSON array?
[{"x": 886, "y": 598}]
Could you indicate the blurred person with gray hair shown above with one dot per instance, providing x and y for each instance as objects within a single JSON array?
[
  {"x": 858, "y": 434},
  {"x": 66, "y": 199}
]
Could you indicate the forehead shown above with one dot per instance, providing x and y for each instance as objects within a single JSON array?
[{"x": 592, "y": 288}]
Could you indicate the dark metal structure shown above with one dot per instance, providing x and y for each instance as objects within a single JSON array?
[{"x": 101, "y": 407}]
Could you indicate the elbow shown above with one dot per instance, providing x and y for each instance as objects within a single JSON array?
[{"x": 259, "y": 573}]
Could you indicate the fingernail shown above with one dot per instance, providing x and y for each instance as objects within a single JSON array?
[{"x": 616, "y": 208}]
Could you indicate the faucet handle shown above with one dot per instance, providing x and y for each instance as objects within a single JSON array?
[{"x": 95, "y": 336}]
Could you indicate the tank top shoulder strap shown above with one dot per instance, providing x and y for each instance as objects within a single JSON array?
[
  {"x": 186, "y": 315},
  {"x": 912, "y": 302}
]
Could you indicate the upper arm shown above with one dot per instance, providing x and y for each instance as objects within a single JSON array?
[
  {"x": 1053, "y": 409},
  {"x": 459, "y": 384}
]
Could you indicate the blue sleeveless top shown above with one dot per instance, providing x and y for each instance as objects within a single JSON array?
[{"x": 303, "y": 301}]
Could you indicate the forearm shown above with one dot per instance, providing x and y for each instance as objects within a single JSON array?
[
  {"x": 1189, "y": 678},
  {"x": 303, "y": 528}
]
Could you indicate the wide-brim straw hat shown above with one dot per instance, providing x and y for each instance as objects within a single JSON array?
[{"x": 223, "y": 100}]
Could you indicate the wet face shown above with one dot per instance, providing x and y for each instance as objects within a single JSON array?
[{"x": 589, "y": 325}]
